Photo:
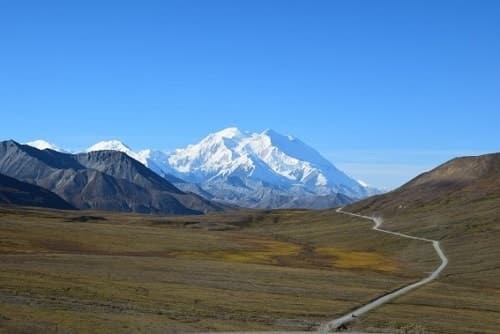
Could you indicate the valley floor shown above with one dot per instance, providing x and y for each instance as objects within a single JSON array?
[{"x": 70, "y": 272}]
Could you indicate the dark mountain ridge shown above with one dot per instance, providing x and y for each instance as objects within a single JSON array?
[
  {"x": 15, "y": 192},
  {"x": 104, "y": 180}
]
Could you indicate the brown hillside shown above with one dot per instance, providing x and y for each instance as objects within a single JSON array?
[
  {"x": 464, "y": 178},
  {"x": 457, "y": 203}
]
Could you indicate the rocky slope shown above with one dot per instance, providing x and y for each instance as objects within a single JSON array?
[
  {"x": 14, "y": 192},
  {"x": 106, "y": 180}
]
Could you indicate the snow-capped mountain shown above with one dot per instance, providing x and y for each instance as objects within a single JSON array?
[
  {"x": 109, "y": 145},
  {"x": 266, "y": 159},
  {"x": 251, "y": 169},
  {"x": 43, "y": 145},
  {"x": 116, "y": 145},
  {"x": 155, "y": 160}
]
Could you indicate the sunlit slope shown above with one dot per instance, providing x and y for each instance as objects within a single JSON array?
[{"x": 459, "y": 204}]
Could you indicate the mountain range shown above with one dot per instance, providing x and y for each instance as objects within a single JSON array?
[
  {"x": 103, "y": 180},
  {"x": 256, "y": 170},
  {"x": 226, "y": 168}
]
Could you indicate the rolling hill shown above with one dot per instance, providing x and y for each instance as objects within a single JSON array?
[
  {"x": 457, "y": 203},
  {"x": 462, "y": 178}
]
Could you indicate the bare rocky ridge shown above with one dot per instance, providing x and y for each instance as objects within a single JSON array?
[
  {"x": 14, "y": 192},
  {"x": 106, "y": 180}
]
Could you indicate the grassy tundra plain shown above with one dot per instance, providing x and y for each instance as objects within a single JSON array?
[{"x": 75, "y": 271}]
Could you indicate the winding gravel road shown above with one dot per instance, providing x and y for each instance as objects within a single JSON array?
[{"x": 339, "y": 322}]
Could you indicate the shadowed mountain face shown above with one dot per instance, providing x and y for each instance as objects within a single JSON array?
[
  {"x": 465, "y": 178},
  {"x": 15, "y": 192},
  {"x": 105, "y": 180}
]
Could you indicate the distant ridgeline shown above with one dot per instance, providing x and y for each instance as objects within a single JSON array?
[
  {"x": 224, "y": 170},
  {"x": 257, "y": 170}
]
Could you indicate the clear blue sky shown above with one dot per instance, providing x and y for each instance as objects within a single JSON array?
[{"x": 385, "y": 89}]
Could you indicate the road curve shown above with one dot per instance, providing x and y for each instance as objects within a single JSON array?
[{"x": 342, "y": 321}]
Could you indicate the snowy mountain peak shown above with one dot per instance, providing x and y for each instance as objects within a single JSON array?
[
  {"x": 109, "y": 145},
  {"x": 264, "y": 169},
  {"x": 256, "y": 159},
  {"x": 152, "y": 159},
  {"x": 43, "y": 145},
  {"x": 231, "y": 132}
]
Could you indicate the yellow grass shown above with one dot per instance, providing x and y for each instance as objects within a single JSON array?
[{"x": 359, "y": 260}]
